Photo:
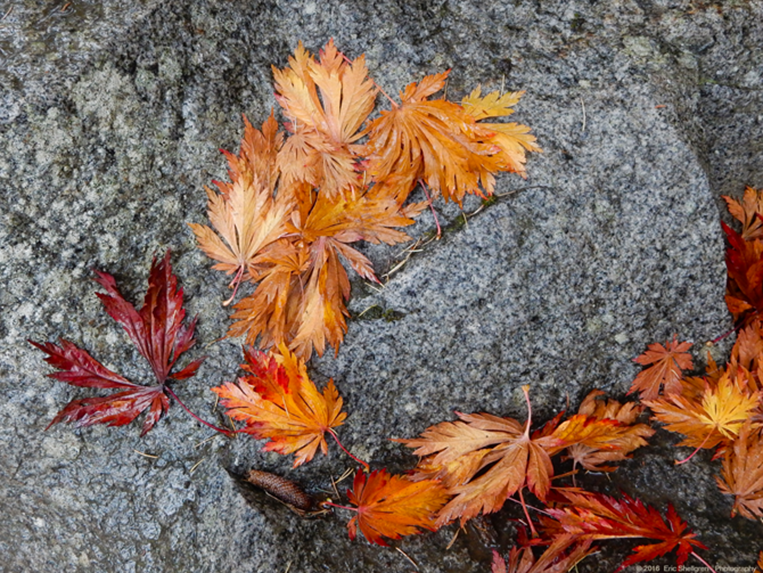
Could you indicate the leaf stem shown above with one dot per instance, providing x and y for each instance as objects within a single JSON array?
[
  {"x": 234, "y": 283},
  {"x": 434, "y": 214},
  {"x": 527, "y": 514},
  {"x": 346, "y": 451},
  {"x": 699, "y": 447},
  {"x": 726, "y": 334},
  {"x": 332, "y": 504},
  {"x": 705, "y": 563},
  {"x": 171, "y": 392}
]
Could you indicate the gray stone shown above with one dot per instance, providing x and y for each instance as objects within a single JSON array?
[{"x": 111, "y": 115}]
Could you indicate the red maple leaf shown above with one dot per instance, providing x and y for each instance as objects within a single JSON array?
[
  {"x": 592, "y": 516},
  {"x": 156, "y": 329}
]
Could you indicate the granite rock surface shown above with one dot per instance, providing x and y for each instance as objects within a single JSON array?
[{"x": 111, "y": 116}]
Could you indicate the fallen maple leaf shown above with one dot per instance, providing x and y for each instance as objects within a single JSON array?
[
  {"x": 603, "y": 432},
  {"x": 392, "y": 506},
  {"x": 245, "y": 213},
  {"x": 742, "y": 474},
  {"x": 760, "y": 563},
  {"x": 157, "y": 331},
  {"x": 327, "y": 102},
  {"x": 482, "y": 459},
  {"x": 744, "y": 287},
  {"x": 591, "y": 516},
  {"x": 278, "y": 402},
  {"x": 513, "y": 139},
  {"x": 717, "y": 419},
  {"x": 666, "y": 362},
  {"x": 557, "y": 558},
  {"x": 748, "y": 213},
  {"x": 442, "y": 143},
  {"x": 301, "y": 296}
]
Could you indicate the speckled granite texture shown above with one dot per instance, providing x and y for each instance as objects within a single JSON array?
[{"x": 111, "y": 116}]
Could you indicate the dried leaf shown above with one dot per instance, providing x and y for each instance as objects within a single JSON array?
[
  {"x": 278, "y": 402},
  {"x": 742, "y": 474},
  {"x": 591, "y": 516},
  {"x": 392, "y": 506},
  {"x": 748, "y": 213},
  {"x": 718, "y": 418},
  {"x": 560, "y": 556},
  {"x": 244, "y": 213},
  {"x": 442, "y": 143},
  {"x": 157, "y": 331},
  {"x": 327, "y": 102},
  {"x": 482, "y": 459},
  {"x": 603, "y": 432},
  {"x": 665, "y": 366},
  {"x": 744, "y": 287}
]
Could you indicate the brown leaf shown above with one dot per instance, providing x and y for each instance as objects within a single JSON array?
[
  {"x": 748, "y": 213},
  {"x": 742, "y": 474},
  {"x": 481, "y": 459},
  {"x": 665, "y": 366}
]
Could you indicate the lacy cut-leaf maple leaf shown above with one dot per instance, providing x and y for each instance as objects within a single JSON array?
[
  {"x": 714, "y": 419},
  {"x": 392, "y": 506},
  {"x": 585, "y": 515},
  {"x": 442, "y": 143},
  {"x": 157, "y": 331},
  {"x": 278, "y": 402},
  {"x": 742, "y": 474},
  {"x": 665, "y": 366}
]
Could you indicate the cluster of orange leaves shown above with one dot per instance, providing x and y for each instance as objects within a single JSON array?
[
  {"x": 474, "y": 464},
  {"x": 724, "y": 408},
  {"x": 297, "y": 201},
  {"x": 467, "y": 467}
]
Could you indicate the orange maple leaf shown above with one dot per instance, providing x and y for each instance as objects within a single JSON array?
[
  {"x": 303, "y": 288},
  {"x": 392, "y": 506},
  {"x": 245, "y": 213},
  {"x": 560, "y": 556},
  {"x": 327, "y": 102},
  {"x": 278, "y": 402},
  {"x": 666, "y": 362},
  {"x": 482, "y": 459},
  {"x": 748, "y": 213},
  {"x": 742, "y": 474},
  {"x": 442, "y": 143},
  {"x": 760, "y": 563},
  {"x": 716, "y": 419},
  {"x": 604, "y": 431},
  {"x": 513, "y": 139}
]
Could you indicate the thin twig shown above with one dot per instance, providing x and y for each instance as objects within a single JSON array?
[
  {"x": 408, "y": 558},
  {"x": 582, "y": 103},
  {"x": 145, "y": 455},
  {"x": 196, "y": 465},
  {"x": 453, "y": 539},
  {"x": 8, "y": 13},
  {"x": 205, "y": 440},
  {"x": 347, "y": 473},
  {"x": 369, "y": 308}
]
